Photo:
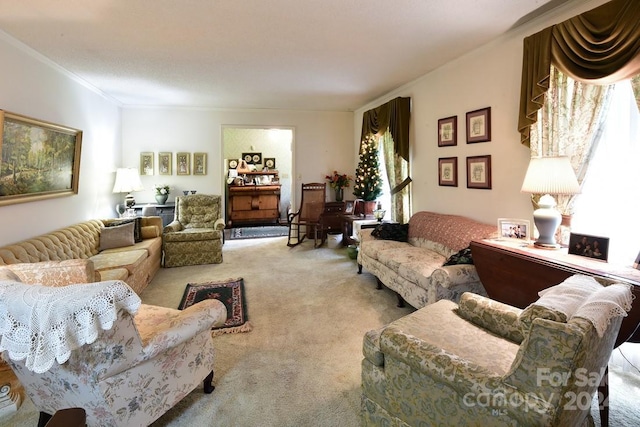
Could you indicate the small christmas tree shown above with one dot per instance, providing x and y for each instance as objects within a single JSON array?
[{"x": 368, "y": 184}]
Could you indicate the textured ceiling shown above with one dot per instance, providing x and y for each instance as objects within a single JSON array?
[{"x": 267, "y": 54}]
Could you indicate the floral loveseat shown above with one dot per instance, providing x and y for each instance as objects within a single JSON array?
[
  {"x": 110, "y": 244},
  {"x": 414, "y": 268}
]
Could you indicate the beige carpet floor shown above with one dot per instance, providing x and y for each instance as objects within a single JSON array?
[{"x": 300, "y": 366}]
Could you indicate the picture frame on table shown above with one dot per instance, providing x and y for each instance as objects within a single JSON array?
[
  {"x": 479, "y": 172},
  {"x": 183, "y": 163},
  {"x": 586, "y": 245},
  {"x": 349, "y": 207},
  {"x": 448, "y": 132},
  {"x": 165, "y": 163},
  {"x": 448, "y": 171},
  {"x": 55, "y": 148},
  {"x": 146, "y": 163},
  {"x": 199, "y": 163},
  {"x": 514, "y": 229},
  {"x": 479, "y": 125}
]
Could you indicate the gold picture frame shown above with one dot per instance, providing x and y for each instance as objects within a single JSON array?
[
  {"x": 199, "y": 163},
  {"x": 183, "y": 163},
  {"x": 52, "y": 166},
  {"x": 146, "y": 163},
  {"x": 165, "y": 163}
]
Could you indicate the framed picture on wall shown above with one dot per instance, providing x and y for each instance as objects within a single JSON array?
[
  {"x": 146, "y": 163},
  {"x": 270, "y": 162},
  {"x": 479, "y": 125},
  {"x": 479, "y": 172},
  {"x": 252, "y": 158},
  {"x": 448, "y": 171},
  {"x": 199, "y": 163},
  {"x": 183, "y": 163},
  {"x": 165, "y": 163},
  {"x": 448, "y": 132},
  {"x": 27, "y": 142}
]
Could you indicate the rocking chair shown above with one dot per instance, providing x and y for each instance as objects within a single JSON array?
[{"x": 306, "y": 221}]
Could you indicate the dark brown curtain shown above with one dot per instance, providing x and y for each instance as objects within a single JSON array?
[
  {"x": 394, "y": 115},
  {"x": 600, "y": 46}
]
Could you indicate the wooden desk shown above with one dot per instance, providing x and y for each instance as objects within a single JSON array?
[
  {"x": 514, "y": 273},
  {"x": 251, "y": 204}
]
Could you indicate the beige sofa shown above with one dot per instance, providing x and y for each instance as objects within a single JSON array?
[
  {"x": 414, "y": 268},
  {"x": 134, "y": 264}
]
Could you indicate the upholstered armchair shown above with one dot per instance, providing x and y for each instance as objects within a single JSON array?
[
  {"x": 485, "y": 363},
  {"x": 195, "y": 236},
  {"x": 96, "y": 347}
]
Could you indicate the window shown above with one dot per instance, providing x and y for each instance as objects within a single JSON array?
[{"x": 609, "y": 205}]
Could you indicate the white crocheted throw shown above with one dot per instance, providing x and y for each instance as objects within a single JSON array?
[
  {"x": 42, "y": 323},
  {"x": 602, "y": 306}
]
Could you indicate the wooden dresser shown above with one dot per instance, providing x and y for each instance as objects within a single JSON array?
[{"x": 253, "y": 203}]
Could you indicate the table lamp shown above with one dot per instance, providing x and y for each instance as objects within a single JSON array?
[
  {"x": 547, "y": 176},
  {"x": 127, "y": 180}
]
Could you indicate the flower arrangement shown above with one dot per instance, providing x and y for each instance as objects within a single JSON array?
[
  {"x": 161, "y": 189},
  {"x": 338, "y": 180}
]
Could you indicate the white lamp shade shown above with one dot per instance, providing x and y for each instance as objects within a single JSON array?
[
  {"x": 127, "y": 180},
  {"x": 550, "y": 175}
]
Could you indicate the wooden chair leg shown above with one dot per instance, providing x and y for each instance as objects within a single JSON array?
[
  {"x": 603, "y": 399},
  {"x": 208, "y": 383}
]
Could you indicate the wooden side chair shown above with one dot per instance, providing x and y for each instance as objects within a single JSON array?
[{"x": 306, "y": 221}]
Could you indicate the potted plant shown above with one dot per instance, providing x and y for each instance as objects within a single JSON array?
[
  {"x": 162, "y": 193},
  {"x": 338, "y": 181}
]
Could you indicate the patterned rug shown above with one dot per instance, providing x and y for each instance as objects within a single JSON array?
[
  {"x": 231, "y": 293},
  {"x": 258, "y": 232}
]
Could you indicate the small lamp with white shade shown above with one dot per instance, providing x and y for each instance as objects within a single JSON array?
[
  {"x": 549, "y": 176},
  {"x": 127, "y": 181}
]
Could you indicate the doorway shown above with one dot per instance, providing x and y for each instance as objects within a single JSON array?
[{"x": 273, "y": 143}]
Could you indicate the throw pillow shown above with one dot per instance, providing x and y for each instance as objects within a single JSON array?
[
  {"x": 137, "y": 231},
  {"x": 461, "y": 257},
  {"x": 389, "y": 231},
  {"x": 117, "y": 236}
]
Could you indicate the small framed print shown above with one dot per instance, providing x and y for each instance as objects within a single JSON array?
[
  {"x": 232, "y": 163},
  {"x": 165, "y": 163},
  {"x": 349, "y": 206},
  {"x": 199, "y": 163},
  {"x": 270, "y": 162},
  {"x": 448, "y": 132},
  {"x": 514, "y": 229},
  {"x": 448, "y": 171},
  {"x": 479, "y": 172},
  {"x": 146, "y": 163},
  {"x": 479, "y": 125},
  {"x": 595, "y": 247},
  {"x": 183, "y": 163},
  {"x": 252, "y": 158}
]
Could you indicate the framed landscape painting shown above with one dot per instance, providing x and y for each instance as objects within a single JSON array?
[{"x": 39, "y": 160}]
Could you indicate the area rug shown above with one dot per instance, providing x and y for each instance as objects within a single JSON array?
[
  {"x": 258, "y": 232},
  {"x": 231, "y": 293}
]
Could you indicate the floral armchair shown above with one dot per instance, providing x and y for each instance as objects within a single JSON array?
[
  {"x": 196, "y": 234},
  {"x": 95, "y": 346},
  {"x": 486, "y": 363}
]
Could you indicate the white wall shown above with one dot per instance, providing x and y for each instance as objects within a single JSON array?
[
  {"x": 32, "y": 86},
  {"x": 323, "y": 142},
  {"x": 487, "y": 77}
]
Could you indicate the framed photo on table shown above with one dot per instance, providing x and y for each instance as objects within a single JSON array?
[
  {"x": 448, "y": 171},
  {"x": 349, "y": 206},
  {"x": 479, "y": 172},
  {"x": 595, "y": 247},
  {"x": 514, "y": 229},
  {"x": 448, "y": 132},
  {"x": 479, "y": 125}
]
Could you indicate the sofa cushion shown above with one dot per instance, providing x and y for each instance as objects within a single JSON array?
[
  {"x": 117, "y": 236},
  {"x": 137, "y": 230},
  {"x": 374, "y": 247},
  {"x": 388, "y": 231},
  {"x": 193, "y": 234},
  {"x": 121, "y": 259}
]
